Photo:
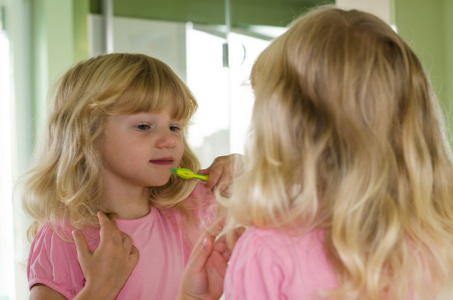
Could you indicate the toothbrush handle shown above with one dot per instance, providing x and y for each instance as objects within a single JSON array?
[{"x": 202, "y": 177}]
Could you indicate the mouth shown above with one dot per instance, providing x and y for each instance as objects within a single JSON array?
[{"x": 165, "y": 161}]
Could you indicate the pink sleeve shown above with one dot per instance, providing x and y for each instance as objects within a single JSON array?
[
  {"x": 254, "y": 271},
  {"x": 206, "y": 205},
  {"x": 53, "y": 262}
]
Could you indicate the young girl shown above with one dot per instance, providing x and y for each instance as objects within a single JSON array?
[
  {"x": 116, "y": 130},
  {"x": 347, "y": 179}
]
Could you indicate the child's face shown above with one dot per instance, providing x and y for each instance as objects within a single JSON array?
[{"x": 141, "y": 149}]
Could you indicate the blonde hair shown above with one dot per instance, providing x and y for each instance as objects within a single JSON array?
[
  {"x": 347, "y": 136},
  {"x": 66, "y": 180}
]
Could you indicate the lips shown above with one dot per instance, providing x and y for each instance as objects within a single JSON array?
[{"x": 162, "y": 161}]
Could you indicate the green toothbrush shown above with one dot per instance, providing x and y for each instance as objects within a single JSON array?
[{"x": 186, "y": 173}]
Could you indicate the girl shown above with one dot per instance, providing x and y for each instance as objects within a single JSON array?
[
  {"x": 347, "y": 191},
  {"x": 116, "y": 130}
]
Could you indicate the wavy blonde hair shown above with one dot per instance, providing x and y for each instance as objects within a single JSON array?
[
  {"x": 347, "y": 136},
  {"x": 67, "y": 179}
]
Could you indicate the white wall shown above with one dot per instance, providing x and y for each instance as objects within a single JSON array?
[{"x": 380, "y": 8}]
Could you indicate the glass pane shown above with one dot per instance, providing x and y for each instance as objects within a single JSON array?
[
  {"x": 196, "y": 53},
  {"x": 209, "y": 135}
]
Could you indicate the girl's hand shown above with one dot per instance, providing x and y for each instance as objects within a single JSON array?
[
  {"x": 106, "y": 269},
  {"x": 205, "y": 271},
  {"x": 220, "y": 173}
]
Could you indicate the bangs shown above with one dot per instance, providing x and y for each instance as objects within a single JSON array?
[{"x": 154, "y": 89}]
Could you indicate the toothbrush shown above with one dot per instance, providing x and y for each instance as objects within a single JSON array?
[{"x": 186, "y": 173}]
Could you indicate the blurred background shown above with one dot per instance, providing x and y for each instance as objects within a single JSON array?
[{"x": 211, "y": 44}]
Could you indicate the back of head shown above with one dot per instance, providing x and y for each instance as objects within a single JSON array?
[
  {"x": 67, "y": 177},
  {"x": 347, "y": 135}
]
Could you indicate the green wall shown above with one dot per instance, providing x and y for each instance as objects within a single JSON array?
[
  {"x": 80, "y": 29},
  {"x": 59, "y": 38},
  {"x": 427, "y": 26},
  {"x": 242, "y": 12},
  {"x": 52, "y": 41},
  {"x": 448, "y": 79}
]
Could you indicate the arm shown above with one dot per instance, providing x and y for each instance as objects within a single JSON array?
[
  {"x": 205, "y": 271},
  {"x": 106, "y": 269},
  {"x": 40, "y": 291}
]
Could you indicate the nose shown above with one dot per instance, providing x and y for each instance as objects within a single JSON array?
[{"x": 166, "y": 139}]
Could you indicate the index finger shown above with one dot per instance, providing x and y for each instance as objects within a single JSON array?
[
  {"x": 214, "y": 176},
  {"x": 107, "y": 228},
  {"x": 103, "y": 220}
]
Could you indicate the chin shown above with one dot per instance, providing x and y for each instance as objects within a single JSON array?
[{"x": 159, "y": 183}]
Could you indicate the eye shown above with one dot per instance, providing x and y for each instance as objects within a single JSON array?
[
  {"x": 143, "y": 127},
  {"x": 175, "y": 128}
]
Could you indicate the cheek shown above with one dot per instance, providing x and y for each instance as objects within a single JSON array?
[
  {"x": 112, "y": 147},
  {"x": 180, "y": 149},
  {"x": 119, "y": 147}
]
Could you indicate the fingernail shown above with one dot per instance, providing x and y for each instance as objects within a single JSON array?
[
  {"x": 75, "y": 233},
  {"x": 205, "y": 242}
]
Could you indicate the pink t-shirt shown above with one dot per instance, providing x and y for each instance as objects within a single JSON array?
[
  {"x": 162, "y": 245},
  {"x": 268, "y": 264}
]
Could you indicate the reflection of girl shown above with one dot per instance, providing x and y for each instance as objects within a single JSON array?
[
  {"x": 347, "y": 179},
  {"x": 116, "y": 130}
]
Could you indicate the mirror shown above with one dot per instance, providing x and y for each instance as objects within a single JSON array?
[
  {"x": 210, "y": 44},
  {"x": 46, "y": 37}
]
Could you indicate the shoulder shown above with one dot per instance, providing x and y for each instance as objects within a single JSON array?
[
  {"x": 201, "y": 194},
  {"x": 53, "y": 260},
  {"x": 199, "y": 210},
  {"x": 254, "y": 270},
  {"x": 281, "y": 263},
  {"x": 283, "y": 247},
  {"x": 202, "y": 203},
  {"x": 266, "y": 246},
  {"x": 56, "y": 232},
  {"x": 52, "y": 243},
  {"x": 59, "y": 234},
  {"x": 261, "y": 242},
  {"x": 275, "y": 238}
]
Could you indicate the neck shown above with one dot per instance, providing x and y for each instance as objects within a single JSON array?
[
  {"x": 127, "y": 202},
  {"x": 127, "y": 211}
]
